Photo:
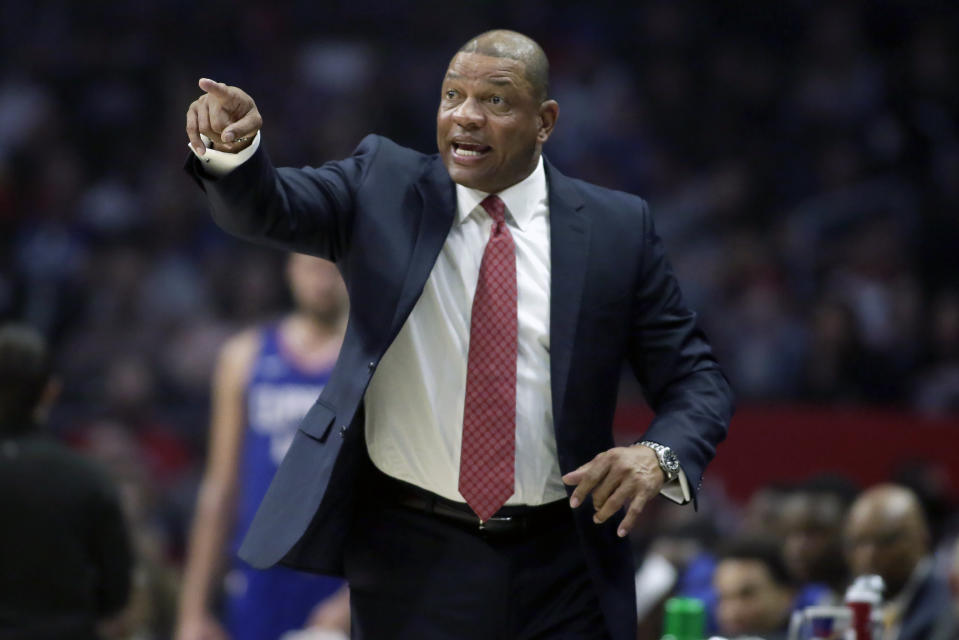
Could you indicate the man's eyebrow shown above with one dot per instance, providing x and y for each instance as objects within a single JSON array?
[{"x": 500, "y": 82}]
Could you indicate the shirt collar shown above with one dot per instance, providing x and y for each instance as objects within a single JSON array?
[{"x": 520, "y": 199}]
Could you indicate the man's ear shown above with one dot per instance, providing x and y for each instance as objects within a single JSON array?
[{"x": 548, "y": 115}]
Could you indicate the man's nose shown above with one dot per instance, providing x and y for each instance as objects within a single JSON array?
[
  {"x": 865, "y": 559},
  {"x": 803, "y": 541},
  {"x": 468, "y": 114}
]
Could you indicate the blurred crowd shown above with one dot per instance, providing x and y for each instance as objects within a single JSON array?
[
  {"x": 801, "y": 545},
  {"x": 801, "y": 159}
]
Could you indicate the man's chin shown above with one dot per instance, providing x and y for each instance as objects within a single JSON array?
[{"x": 469, "y": 178}]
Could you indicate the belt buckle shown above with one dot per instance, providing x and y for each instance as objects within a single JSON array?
[{"x": 503, "y": 519}]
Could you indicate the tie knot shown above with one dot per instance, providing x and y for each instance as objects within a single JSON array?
[{"x": 495, "y": 208}]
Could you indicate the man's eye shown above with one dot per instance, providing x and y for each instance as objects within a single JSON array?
[
  {"x": 496, "y": 100},
  {"x": 450, "y": 94}
]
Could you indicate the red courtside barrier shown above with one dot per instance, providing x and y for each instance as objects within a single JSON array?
[{"x": 789, "y": 443}]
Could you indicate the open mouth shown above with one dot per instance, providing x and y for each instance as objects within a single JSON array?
[{"x": 470, "y": 150}]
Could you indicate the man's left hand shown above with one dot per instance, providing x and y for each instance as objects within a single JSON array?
[{"x": 622, "y": 476}]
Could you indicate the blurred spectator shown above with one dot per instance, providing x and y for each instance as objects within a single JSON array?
[
  {"x": 929, "y": 481},
  {"x": 266, "y": 380},
  {"x": 807, "y": 518},
  {"x": 878, "y": 286},
  {"x": 947, "y": 624},
  {"x": 689, "y": 547},
  {"x": 64, "y": 545},
  {"x": 754, "y": 589},
  {"x": 764, "y": 511},
  {"x": 937, "y": 385},
  {"x": 886, "y": 534},
  {"x": 151, "y": 610},
  {"x": 836, "y": 361},
  {"x": 765, "y": 339},
  {"x": 812, "y": 519}
]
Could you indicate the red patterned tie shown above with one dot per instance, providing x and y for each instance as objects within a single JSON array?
[{"x": 489, "y": 412}]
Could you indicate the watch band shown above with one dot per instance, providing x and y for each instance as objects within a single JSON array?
[{"x": 668, "y": 461}]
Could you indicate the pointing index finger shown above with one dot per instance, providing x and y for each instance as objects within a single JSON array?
[{"x": 217, "y": 88}]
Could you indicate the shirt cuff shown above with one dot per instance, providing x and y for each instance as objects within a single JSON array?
[
  {"x": 219, "y": 163},
  {"x": 677, "y": 489}
]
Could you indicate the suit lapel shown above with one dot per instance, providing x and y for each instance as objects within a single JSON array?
[
  {"x": 569, "y": 248},
  {"x": 438, "y": 196}
]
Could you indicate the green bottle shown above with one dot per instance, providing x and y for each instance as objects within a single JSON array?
[{"x": 685, "y": 619}]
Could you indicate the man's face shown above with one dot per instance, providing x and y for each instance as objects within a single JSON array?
[
  {"x": 750, "y": 601},
  {"x": 489, "y": 126},
  {"x": 763, "y": 512},
  {"x": 876, "y": 543},
  {"x": 316, "y": 287},
  {"x": 812, "y": 529}
]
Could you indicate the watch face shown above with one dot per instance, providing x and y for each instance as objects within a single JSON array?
[{"x": 670, "y": 460}]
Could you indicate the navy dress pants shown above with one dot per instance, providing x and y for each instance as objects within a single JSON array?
[{"x": 418, "y": 576}]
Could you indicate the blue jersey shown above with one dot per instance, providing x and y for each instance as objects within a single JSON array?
[{"x": 262, "y": 605}]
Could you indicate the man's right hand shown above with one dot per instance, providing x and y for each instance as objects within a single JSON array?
[{"x": 227, "y": 115}]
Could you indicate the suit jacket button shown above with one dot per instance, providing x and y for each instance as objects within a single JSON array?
[
  {"x": 343, "y": 431},
  {"x": 371, "y": 365}
]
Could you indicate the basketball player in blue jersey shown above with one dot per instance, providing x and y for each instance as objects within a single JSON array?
[{"x": 265, "y": 381}]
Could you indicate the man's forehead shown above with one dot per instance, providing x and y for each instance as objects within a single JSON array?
[
  {"x": 803, "y": 507},
  {"x": 744, "y": 569},
  {"x": 475, "y": 66}
]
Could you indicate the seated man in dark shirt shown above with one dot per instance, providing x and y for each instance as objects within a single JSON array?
[{"x": 65, "y": 554}]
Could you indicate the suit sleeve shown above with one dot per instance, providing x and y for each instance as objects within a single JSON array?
[
  {"x": 307, "y": 210},
  {"x": 675, "y": 365}
]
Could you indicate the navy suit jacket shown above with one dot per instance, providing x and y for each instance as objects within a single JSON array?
[
  {"x": 930, "y": 601},
  {"x": 382, "y": 216}
]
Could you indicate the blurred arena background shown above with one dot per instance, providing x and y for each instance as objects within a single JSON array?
[{"x": 801, "y": 159}]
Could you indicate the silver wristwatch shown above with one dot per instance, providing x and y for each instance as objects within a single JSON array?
[{"x": 668, "y": 461}]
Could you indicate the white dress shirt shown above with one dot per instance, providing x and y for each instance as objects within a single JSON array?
[{"x": 414, "y": 403}]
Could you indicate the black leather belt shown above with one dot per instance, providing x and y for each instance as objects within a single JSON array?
[{"x": 508, "y": 520}]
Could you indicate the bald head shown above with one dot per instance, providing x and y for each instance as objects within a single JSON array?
[
  {"x": 890, "y": 505},
  {"x": 886, "y": 533},
  {"x": 493, "y": 116},
  {"x": 502, "y": 43}
]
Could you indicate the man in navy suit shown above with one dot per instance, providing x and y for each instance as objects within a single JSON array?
[
  {"x": 886, "y": 533},
  {"x": 459, "y": 468}
]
